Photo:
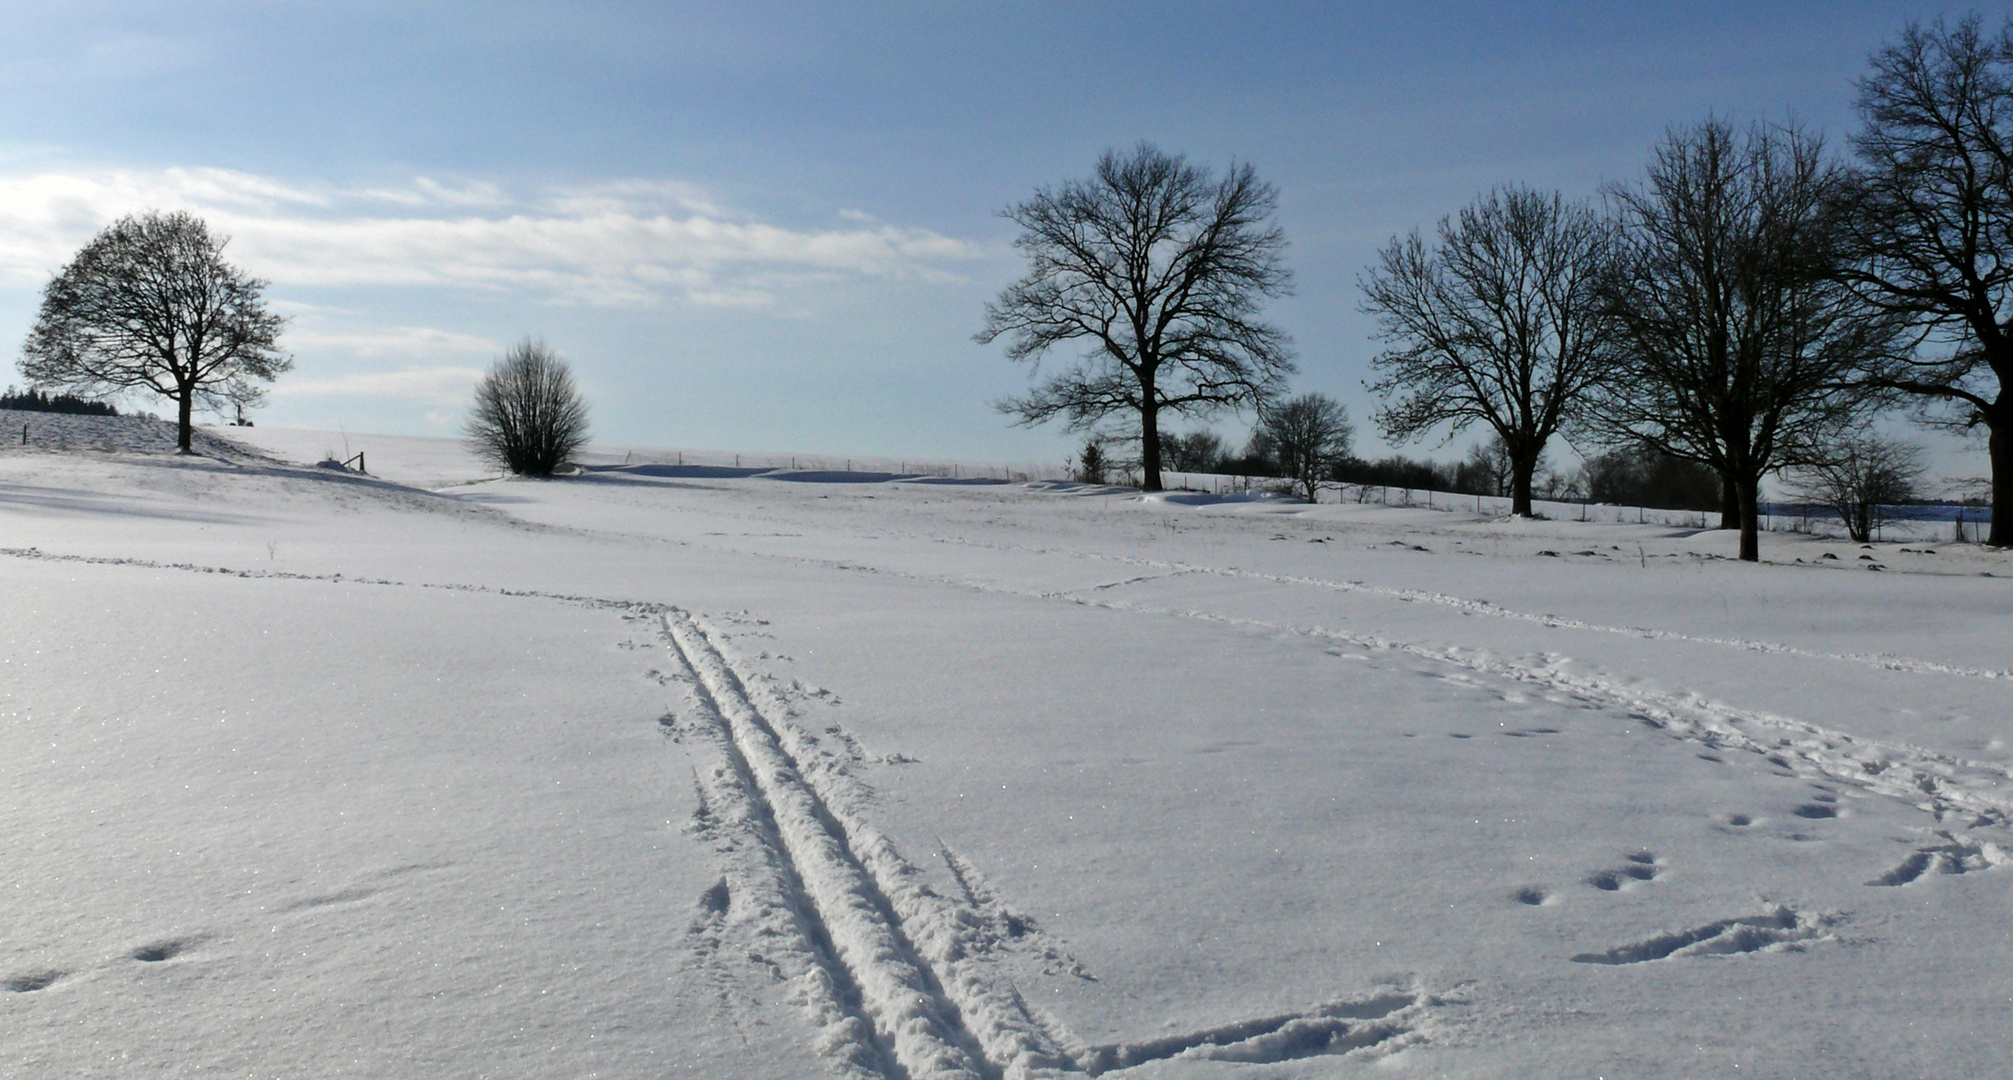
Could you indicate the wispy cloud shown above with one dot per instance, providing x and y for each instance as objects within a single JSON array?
[
  {"x": 440, "y": 385},
  {"x": 409, "y": 342},
  {"x": 628, "y": 242}
]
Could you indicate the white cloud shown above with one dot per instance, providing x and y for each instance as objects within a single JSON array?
[
  {"x": 405, "y": 341},
  {"x": 623, "y": 242},
  {"x": 440, "y": 385}
]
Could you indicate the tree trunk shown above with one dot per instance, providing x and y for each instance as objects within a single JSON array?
[
  {"x": 1521, "y": 470},
  {"x": 1729, "y": 502},
  {"x": 1748, "y": 492},
  {"x": 1149, "y": 443},
  {"x": 186, "y": 399},
  {"x": 2000, "y": 447}
]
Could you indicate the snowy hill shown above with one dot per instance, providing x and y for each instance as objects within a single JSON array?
[{"x": 670, "y": 769}]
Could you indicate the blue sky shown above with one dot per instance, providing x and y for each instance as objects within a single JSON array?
[{"x": 774, "y": 226}]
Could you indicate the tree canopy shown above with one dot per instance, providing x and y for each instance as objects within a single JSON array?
[
  {"x": 150, "y": 304},
  {"x": 1161, "y": 269},
  {"x": 1499, "y": 320},
  {"x": 1932, "y": 226},
  {"x": 1739, "y": 343}
]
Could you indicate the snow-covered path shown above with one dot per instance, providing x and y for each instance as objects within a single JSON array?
[{"x": 653, "y": 770}]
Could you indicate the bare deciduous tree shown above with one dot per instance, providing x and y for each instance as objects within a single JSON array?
[
  {"x": 1195, "y": 452},
  {"x": 1861, "y": 479},
  {"x": 1499, "y": 320},
  {"x": 1161, "y": 268},
  {"x": 150, "y": 304},
  {"x": 528, "y": 417},
  {"x": 1308, "y": 435},
  {"x": 1738, "y": 341},
  {"x": 1933, "y": 225}
]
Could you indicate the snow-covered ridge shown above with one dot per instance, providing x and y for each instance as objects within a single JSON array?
[{"x": 115, "y": 434}]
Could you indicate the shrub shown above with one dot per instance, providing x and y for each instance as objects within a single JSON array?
[{"x": 528, "y": 417}]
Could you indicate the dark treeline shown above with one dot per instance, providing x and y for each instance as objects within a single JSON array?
[
  {"x": 1638, "y": 476},
  {"x": 38, "y": 401}
]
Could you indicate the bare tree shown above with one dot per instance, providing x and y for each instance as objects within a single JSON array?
[
  {"x": 150, "y": 304},
  {"x": 1195, "y": 452},
  {"x": 1490, "y": 463},
  {"x": 528, "y": 417},
  {"x": 1308, "y": 435},
  {"x": 1738, "y": 341},
  {"x": 1933, "y": 226},
  {"x": 1160, "y": 268},
  {"x": 1862, "y": 479},
  {"x": 1499, "y": 320}
]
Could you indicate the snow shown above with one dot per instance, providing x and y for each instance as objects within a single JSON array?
[{"x": 677, "y": 767}]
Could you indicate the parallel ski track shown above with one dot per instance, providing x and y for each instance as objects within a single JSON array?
[
  {"x": 922, "y": 1031},
  {"x": 916, "y": 956}
]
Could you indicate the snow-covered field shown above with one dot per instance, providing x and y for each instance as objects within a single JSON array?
[{"x": 669, "y": 770}]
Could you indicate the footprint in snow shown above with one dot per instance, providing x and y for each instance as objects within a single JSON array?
[
  {"x": 166, "y": 949},
  {"x": 1640, "y": 866},
  {"x": 30, "y": 981}
]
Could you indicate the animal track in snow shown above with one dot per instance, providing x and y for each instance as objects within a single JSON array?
[
  {"x": 166, "y": 949},
  {"x": 1387, "y": 1021},
  {"x": 1956, "y": 855},
  {"x": 340, "y": 896},
  {"x": 362, "y": 890},
  {"x": 1533, "y": 895},
  {"x": 1642, "y": 866},
  {"x": 1781, "y": 929},
  {"x": 30, "y": 981}
]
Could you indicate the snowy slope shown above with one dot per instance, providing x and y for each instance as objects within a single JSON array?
[{"x": 662, "y": 770}]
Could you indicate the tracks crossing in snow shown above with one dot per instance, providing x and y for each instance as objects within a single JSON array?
[
  {"x": 864, "y": 919},
  {"x": 897, "y": 976}
]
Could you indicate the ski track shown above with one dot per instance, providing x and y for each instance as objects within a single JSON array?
[
  {"x": 922, "y": 961},
  {"x": 899, "y": 980},
  {"x": 1951, "y": 788},
  {"x": 1954, "y": 790},
  {"x": 921, "y": 1031},
  {"x": 1482, "y": 609},
  {"x": 895, "y": 978}
]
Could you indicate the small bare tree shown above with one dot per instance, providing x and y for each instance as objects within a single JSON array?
[
  {"x": 1309, "y": 436},
  {"x": 1161, "y": 268},
  {"x": 150, "y": 304},
  {"x": 528, "y": 417},
  {"x": 1499, "y": 319},
  {"x": 1195, "y": 452},
  {"x": 1862, "y": 480}
]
